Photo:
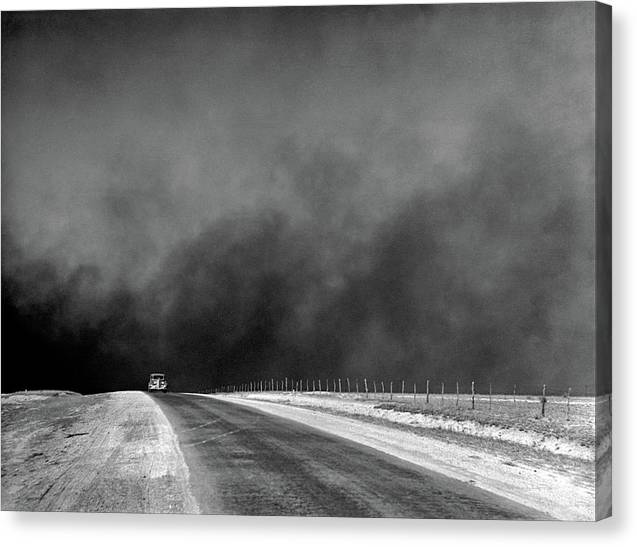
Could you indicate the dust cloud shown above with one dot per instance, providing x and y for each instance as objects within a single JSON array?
[{"x": 234, "y": 194}]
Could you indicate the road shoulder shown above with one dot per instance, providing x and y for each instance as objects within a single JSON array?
[{"x": 112, "y": 452}]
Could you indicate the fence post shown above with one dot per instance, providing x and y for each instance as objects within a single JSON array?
[
  {"x": 568, "y": 404},
  {"x": 348, "y": 386},
  {"x": 339, "y": 386},
  {"x": 427, "y": 400},
  {"x": 356, "y": 385},
  {"x": 515, "y": 386},
  {"x": 403, "y": 387},
  {"x": 374, "y": 387},
  {"x": 382, "y": 387},
  {"x": 457, "y": 393},
  {"x": 414, "y": 392},
  {"x": 442, "y": 393},
  {"x": 334, "y": 385},
  {"x": 366, "y": 390},
  {"x": 543, "y": 397},
  {"x": 489, "y": 395},
  {"x": 473, "y": 395},
  {"x": 391, "y": 390}
]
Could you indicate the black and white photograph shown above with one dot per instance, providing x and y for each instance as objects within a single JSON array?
[{"x": 312, "y": 261}]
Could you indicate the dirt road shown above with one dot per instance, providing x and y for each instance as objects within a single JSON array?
[
  {"x": 178, "y": 453},
  {"x": 243, "y": 461}
]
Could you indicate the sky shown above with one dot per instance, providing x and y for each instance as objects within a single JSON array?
[{"x": 227, "y": 195}]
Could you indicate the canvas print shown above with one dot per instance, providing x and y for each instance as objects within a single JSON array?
[{"x": 343, "y": 261}]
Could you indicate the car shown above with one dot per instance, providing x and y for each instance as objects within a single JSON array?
[{"x": 157, "y": 382}]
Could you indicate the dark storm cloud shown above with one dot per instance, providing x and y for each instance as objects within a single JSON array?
[{"x": 226, "y": 194}]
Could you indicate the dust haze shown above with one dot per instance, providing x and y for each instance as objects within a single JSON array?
[{"x": 234, "y": 194}]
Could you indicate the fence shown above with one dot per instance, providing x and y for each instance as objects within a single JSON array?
[{"x": 428, "y": 393}]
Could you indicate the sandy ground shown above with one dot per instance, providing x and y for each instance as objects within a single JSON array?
[
  {"x": 112, "y": 452},
  {"x": 539, "y": 475}
]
